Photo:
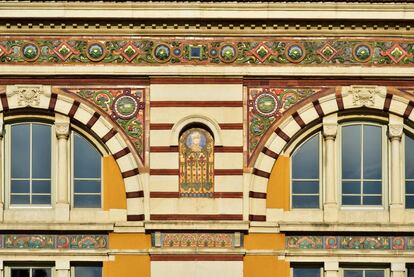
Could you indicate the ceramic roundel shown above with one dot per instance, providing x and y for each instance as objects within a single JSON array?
[
  {"x": 266, "y": 104},
  {"x": 125, "y": 106}
]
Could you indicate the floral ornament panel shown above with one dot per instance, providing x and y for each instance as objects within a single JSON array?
[
  {"x": 351, "y": 242},
  {"x": 266, "y": 105},
  {"x": 125, "y": 105},
  {"x": 197, "y": 240},
  {"x": 22, "y": 241},
  {"x": 204, "y": 51},
  {"x": 196, "y": 165}
]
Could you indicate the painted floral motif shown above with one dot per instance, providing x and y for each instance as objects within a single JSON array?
[
  {"x": 196, "y": 149},
  {"x": 350, "y": 242},
  {"x": 197, "y": 240},
  {"x": 54, "y": 241},
  {"x": 266, "y": 105},
  {"x": 124, "y": 104},
  {"x": 259, "y": 51}
]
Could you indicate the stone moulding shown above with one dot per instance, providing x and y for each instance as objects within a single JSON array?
[
  {"x": 197, "y": 240},
  {"x": 70, "y": 242},
  {"x": 350, "y": 242},
  {"x": 131, "y": 50}
]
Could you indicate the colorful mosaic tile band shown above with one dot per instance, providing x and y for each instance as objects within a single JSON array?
[
  {"x": 267, "y": 104},
  {"x": 54, "y": 241},
  {"x": 350, "y": 242},
  {"x": 203, "y": 51},
  {"x": 197, "y": 240},
  {"x": 125, "y": 105}
]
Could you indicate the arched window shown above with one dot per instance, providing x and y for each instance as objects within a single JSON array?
[
  {"x": 196, "y": 163},
  {"x": 30, "y": 168},
  {"x": 305, "y": 174},
  {"x": 362, "y": 164},
  {"x": 87, "y": 163},
  {"x": 409, "y": 172}
]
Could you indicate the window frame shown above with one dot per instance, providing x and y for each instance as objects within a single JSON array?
[
  {"x": 30, "y": 266},
  {"x": 84, "y": 264},
  {"x": 304, "y": 265},
  {"x": 342, "y": 270},
  {"x": 7, "y": 160},
  {"x": 407, "y": 132},
  {"x": 302, "y": 141},
  {"x": 384, "y": 165},
  {"x": 98, "y": 147}
]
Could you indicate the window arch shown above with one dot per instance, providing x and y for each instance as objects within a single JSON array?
[{"x": 196, "y": 163}]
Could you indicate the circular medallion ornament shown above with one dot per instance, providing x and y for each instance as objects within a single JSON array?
[
  {"x": 228, "y": 53},
  {"x": 125, "y": 106},
  {"x": 266, "y": 104},
  {"x": 96, "y": 51},
  {"x": 362, "y": 52},
  {"x": 213, "y": 52},
  {"x": 295, "y": 53},
  {"x": 30, "y": 52},
  {"x": 162, "y": 53},
  {"x": 177, "y": 52}
]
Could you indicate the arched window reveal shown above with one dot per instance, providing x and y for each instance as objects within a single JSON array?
[{"x": 196, "y": 148}]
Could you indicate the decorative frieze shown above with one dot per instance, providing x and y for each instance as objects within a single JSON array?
[
  {"x": 350, "y": 242},
  {"x": 22, "y": 241},
  {"x": 202, "y": 51},
  {"x": 197, "y": 240}
]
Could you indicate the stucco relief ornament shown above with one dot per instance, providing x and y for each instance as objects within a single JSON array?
[
  {"x": 62, "y": 129},
  {"x": 395, "y": 131},
  {"x": 363, "y": 96},
  {"x": 28, "y": 96}
]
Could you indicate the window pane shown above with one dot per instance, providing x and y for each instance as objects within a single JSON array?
[
  {"x": 41, "y": 186},
  {"x": 372, "y": 152},
  {"x": 351, "y": 152},
  {"x": 41, "y": 272},
  {"x": 20, "y": 272},
  {"x": 305, "y": 187},
  {"x": 20, "y": 199},
  {"x": 351, "y": 187},
  {"x": 351, "y": 200},
  {"x": 305, "y": 164},
  {"x": 372, "y": 200},
  {"x": 372, "y": 187},
  {"x": 409, "y": 157},
  {"x": 20, "y": 151},
  {"x": 41, "y": 151},
  {"x": 87, "y": 159},
  {"x": 353, "y": 273},
  {"x": 306, "y": 272},
  {"x": 410, "y": 272},
  {"x": 305, "y": 201},
  {"x": 409, "y": 204},
  {"x": 87, "y": 201},
  {"x": 20, "y": 186},
  {"x": 87, "y": 186},
  {"x": 374, "y": 273},
  {"x": 41, "y": 199},
  {"x": 409, "y": 187},
  {"x": 88, "y": 271}
]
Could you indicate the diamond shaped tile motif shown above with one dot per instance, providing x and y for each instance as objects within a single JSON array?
[
  {"x": 64, "y": 51},
  {"x": 262, "y": 52},
  {"x": 129, "y": 51},
  {"x": 327, "y": 52},
  {"x": 3, "y": 51},
  {"x": 396, "y": 53}
]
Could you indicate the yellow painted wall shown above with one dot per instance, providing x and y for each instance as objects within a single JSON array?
[
  {"x": 129, "y": 241},
  {"x": 114, "y": 188},
  {"x": 278, "y": 187},
  {"x": 127, "y": 265},
  {"x": 265, "y": 266},
  {"x": 264, "y": 241}
]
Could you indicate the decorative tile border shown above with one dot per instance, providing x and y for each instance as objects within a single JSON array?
[
  {"x": 197, "y": 240},
  {"x": 203, "y": 51},
  {"x": 54, "y": 241},
  {"x": 350, "y": 242},
  {"x": 125, "y": 105}
]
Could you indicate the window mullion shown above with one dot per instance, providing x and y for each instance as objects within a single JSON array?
[
  {"x": 362, "y": 166},
  {"x": 30, "y": 162}
]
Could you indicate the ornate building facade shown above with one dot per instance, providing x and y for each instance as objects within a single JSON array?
[{"x": 199, "y": 138}]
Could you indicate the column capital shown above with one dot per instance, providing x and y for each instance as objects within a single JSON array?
[
  {"x": 395, "y": 127},
  {"x": 62, "y": 265},
  {"x": 62, "y": 126},
  {"x": 397, "y": 267},
  {"x": 331, "y": 266},
  {"x": 330, "y": 126}
]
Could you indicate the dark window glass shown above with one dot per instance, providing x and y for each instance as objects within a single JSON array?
[
  {"x": 88, "y": 271},
  {"x": 41, "y": 272},
  {"x": 20, "y": 272},
  {"x": 20, "y": 151},
  {"x": 409, "y": 172},
  {"x": 306, "y": 272},
  {"x": 353, "y": 273},
  {"x": 351, "y": 152}
]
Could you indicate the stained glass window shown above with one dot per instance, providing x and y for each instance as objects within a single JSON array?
[{"x": 196, "y": 148}]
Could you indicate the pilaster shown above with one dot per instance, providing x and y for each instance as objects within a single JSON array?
[
  {"x": 62, "y": 268},
  {"x": 331, "y": 269},
  {"x": 398, "y": 270}
]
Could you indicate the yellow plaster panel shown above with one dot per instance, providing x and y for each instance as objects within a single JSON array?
[
  {"x": 129, "y": 241},
  {"x": 127, "y": 265},
  {"x": 278, "y": 187},
  {"x": 265, "y": 266},
  {"x": 114, "y": 188},
  {"x": 264, "y": 241}
]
